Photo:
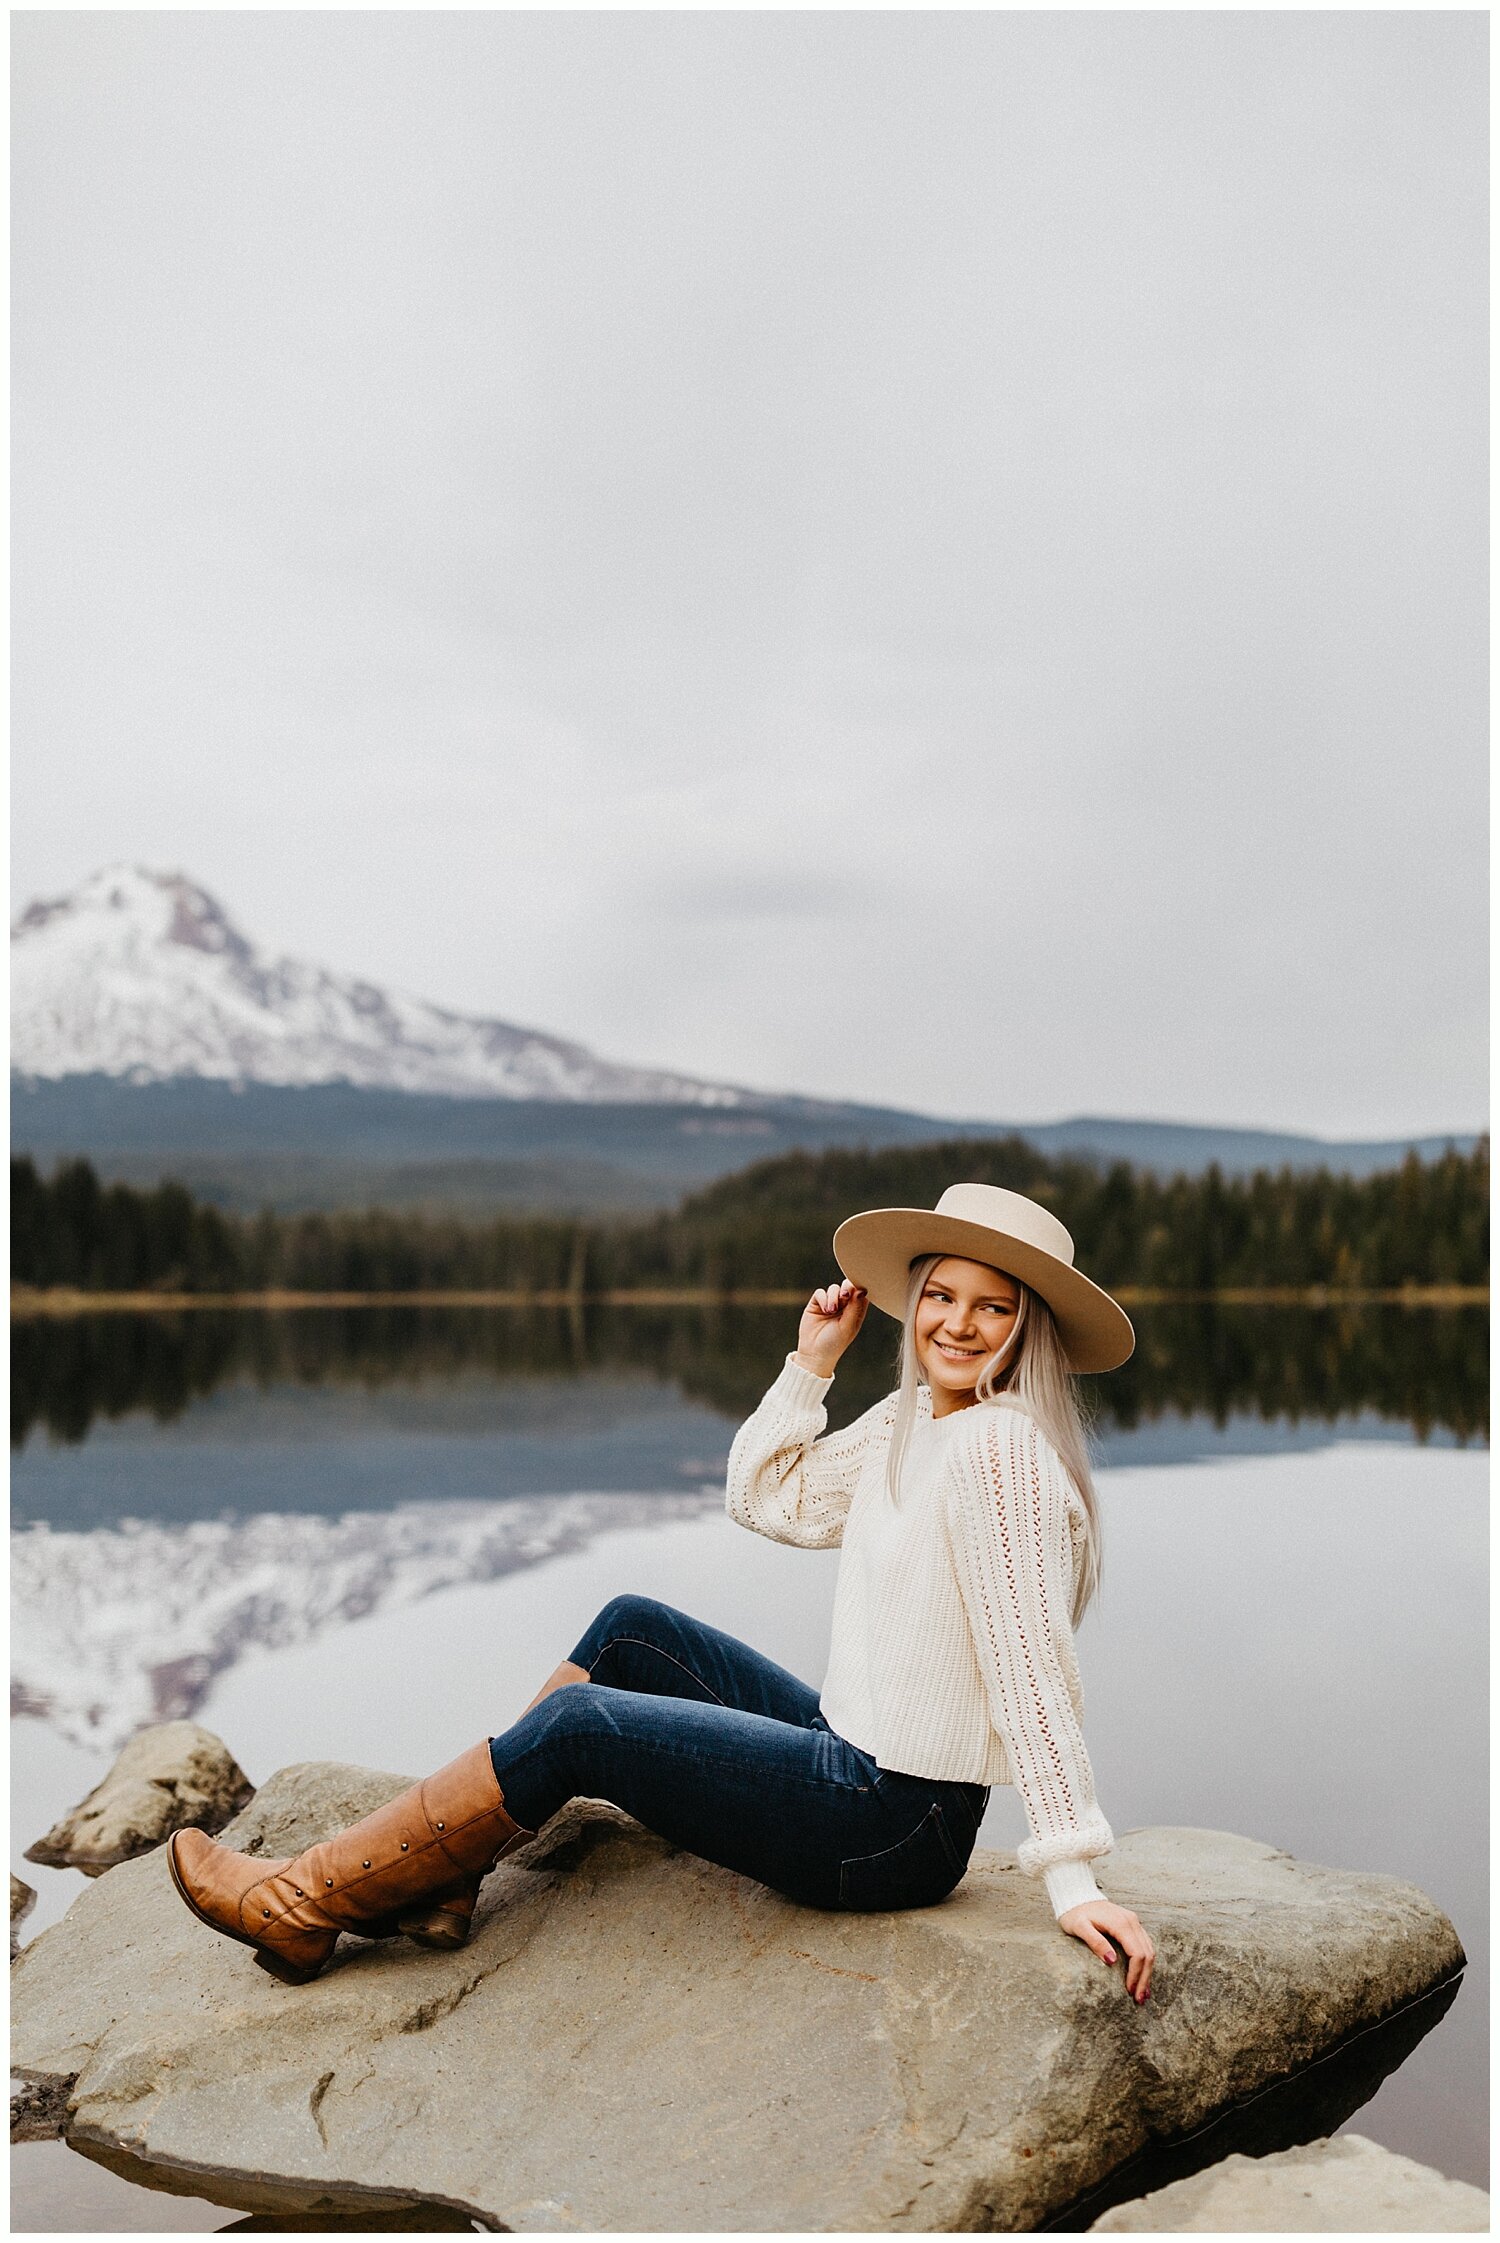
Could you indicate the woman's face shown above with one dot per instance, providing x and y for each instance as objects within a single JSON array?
[{"x": 966, "y": 1314}]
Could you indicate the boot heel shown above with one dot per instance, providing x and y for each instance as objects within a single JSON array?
[
  {"x": 290, "y": 1974},
  {"x": 436, "y": 1930}
]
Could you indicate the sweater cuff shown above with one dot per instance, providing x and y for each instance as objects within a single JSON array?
[
  {"x": 1088, "y": 1837},
  {"x": 800, "y": 1388},
  {"x": 1069, "y": 1884}
]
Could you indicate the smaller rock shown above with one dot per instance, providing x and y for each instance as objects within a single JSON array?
[
  {"x": 175, "y": 1776},
  {"x": 1343, "y": 2186},
  {"x": 22, "y": 1901}
]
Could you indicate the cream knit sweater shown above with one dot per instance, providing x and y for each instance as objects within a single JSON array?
[{"x": 952, "y": 1649}]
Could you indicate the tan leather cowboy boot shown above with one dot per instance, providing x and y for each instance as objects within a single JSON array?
[
  {"x": 445, "y": 1924},
  {"x": 433, "y": 1843},
  {"x": 439, "y": 1923}
]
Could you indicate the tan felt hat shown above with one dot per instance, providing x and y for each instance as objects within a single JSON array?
[{"x": 1008, "y": 1232}]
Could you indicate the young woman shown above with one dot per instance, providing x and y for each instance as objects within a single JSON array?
[{"x": 969, "y": 1542}]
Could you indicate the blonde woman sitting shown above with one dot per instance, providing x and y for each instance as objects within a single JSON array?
[{"x": 964, "y": 1511}]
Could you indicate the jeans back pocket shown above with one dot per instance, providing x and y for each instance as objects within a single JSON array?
[{"x": 918, "y": 1871}]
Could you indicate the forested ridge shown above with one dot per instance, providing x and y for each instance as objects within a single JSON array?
[{"x": 768, "y": 1229}]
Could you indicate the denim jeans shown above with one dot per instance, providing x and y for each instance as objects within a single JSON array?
[{"x": 725, "y": 1754}]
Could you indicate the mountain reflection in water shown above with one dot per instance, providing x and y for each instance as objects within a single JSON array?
[
  {"x": 131, "y": 1624},
  {"x": 215, "y": 1485}
]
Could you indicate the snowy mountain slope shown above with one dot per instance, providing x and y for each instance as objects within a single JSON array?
[{"x": 142, "y": 975}]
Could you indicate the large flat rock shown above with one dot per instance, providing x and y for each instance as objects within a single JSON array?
[
  {"x": 635, "y": 2040},
  {"x": 1346, "y": 2187}
]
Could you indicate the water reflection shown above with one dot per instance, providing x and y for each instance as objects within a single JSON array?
[
  {"x": 1427, "y": 1368},
  {"x": 132, "y": 1623}
]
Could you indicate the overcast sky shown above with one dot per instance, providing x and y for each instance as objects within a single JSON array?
[{"x": 935, "y": 559}]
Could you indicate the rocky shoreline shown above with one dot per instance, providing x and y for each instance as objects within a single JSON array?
[{"x": 635, "y": 2039}]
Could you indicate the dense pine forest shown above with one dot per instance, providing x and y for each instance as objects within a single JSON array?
[{"x": 768, "y": 1229}]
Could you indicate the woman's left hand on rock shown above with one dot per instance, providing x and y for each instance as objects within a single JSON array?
[{"x": 1104, "y": 1927}]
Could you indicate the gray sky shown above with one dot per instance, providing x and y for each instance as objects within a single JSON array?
[{"x": 935, "y": 559}]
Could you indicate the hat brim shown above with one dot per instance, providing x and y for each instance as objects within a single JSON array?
[{"x": 876, "y": 1250}]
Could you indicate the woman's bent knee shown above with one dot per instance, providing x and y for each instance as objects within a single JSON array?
[
  {"x": 627, "y": 1610},
  {"x": 628, "y": 1613},
  {"x": 623, "y": 1616}
]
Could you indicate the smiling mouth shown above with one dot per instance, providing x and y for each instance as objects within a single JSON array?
[{"x": 958, "y": 1354}]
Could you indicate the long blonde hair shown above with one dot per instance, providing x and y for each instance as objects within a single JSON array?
[{"x": 1029, "y": 1373}]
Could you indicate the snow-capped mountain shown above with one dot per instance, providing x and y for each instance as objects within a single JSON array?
[{"x": 143, "y": 975}]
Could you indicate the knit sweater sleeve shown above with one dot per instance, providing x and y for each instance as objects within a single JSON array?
[
  {"x": 1012, "y": 1551},
  {"x": 786, "y": 1482}
]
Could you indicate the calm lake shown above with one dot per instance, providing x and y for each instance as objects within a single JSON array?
[{"x": 368, "y": 1535}]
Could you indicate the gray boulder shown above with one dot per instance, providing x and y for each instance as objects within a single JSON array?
[
  {"x": 175, "y": 1776},
  {"x": 1346, "y": 2187},
  {"x": 635, "y": 2040},
  {"x": 22, "y": 1901}
]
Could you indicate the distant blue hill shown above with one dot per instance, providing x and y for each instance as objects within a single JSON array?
[
  {"x": 331, "y": 1145},
  {"x": 1187, "y": 1148}
]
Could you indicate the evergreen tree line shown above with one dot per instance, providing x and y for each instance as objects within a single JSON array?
[{"x": 768, "y": 1229}]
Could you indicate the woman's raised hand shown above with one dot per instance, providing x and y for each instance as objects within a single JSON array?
[
  {"x": 829, "y": 1322},
  {"x": 1104, "y": 1927}
]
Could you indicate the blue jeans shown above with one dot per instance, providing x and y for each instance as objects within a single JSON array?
[{"x": 725, "y": 1754}]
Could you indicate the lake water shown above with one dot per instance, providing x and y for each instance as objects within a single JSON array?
[{"x": 368, "y": 1538}]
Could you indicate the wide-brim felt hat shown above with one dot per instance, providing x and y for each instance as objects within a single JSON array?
[{"x": 1005, "y": 1230}]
